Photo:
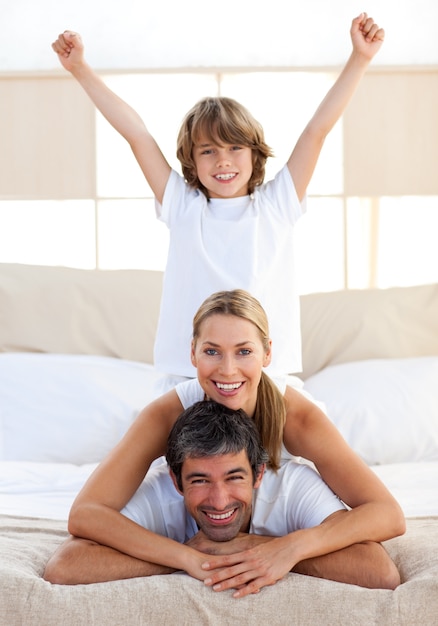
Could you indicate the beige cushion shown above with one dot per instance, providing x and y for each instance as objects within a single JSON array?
[
  {"x": 352, "y": 325},
  {"x": 115, "y": 313},
  {"x": 64, "y": 310}
]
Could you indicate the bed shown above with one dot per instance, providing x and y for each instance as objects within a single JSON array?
[{"x": 75, "y": 368}]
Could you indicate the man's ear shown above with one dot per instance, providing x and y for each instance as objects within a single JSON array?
[
  {"x": 259, "y": 476},
  {"x": 175, "y": 482}
]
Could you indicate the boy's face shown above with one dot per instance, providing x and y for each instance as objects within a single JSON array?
[
  {"x": 218, "y": 493},
  {"x": 224, "y": 170}
]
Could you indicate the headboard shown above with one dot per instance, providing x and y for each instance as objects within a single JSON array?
[{"x": 115, "y": 313}]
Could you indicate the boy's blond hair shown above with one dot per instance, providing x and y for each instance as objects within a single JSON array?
[{"x": 221, "y": 120}]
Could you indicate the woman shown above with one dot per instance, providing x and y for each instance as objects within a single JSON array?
[{"x": 230, "y": 348}]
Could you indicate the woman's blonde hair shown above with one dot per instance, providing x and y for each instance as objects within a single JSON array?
[
  {"x": 270, "y": 411},
  {"x": 221, "y": 120}
]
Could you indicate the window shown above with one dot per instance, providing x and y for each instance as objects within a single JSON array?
[{"x": 74, "y": 195}]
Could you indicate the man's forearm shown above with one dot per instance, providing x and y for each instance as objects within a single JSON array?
[
  {"x": 80, "y": 561},
  {"x": 365, "y": 564}
]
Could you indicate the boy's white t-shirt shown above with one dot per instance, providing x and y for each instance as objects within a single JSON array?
[{"x": 223, "y": 244}]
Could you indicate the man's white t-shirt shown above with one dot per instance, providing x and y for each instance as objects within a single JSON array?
[
  {"x": 223, "y": 244},
  {"x": 295, "y": 497}
]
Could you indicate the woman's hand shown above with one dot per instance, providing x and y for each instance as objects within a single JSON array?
[{"x": 259, "y": 566}]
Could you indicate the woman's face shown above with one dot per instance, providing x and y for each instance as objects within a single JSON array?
[{"x": 229, "y": 356}]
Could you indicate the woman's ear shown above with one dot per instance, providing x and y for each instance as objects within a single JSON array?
[
  {"x": 192, "y": 354},
  {"x": 268, "y": 355}
]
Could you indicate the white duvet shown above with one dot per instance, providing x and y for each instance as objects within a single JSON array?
[
  {"x": 48, "y": 489},
  {"x": 414, "y": 485},
  {"x": 59, "y": 414}
]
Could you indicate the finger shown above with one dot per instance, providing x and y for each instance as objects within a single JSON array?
[
  {"x": 367, "y": 23},
  {"x": 60, "y": 50},
  {"x": 226, "y": 560},
  {"x": 253, "y": 587},
  {"x": 380, "y": 35},
  {"x": 224, "y": 574},
  {"x": 369, "y": 29},
  {"x": 375, "y": 34},
  {"x": 64, "y": 40},
  {"x": 246, "y": 591},
  {"x": 241, "y": 580},
  {"x": 69, "y": 36},
  {"x": 61, "y": 46},
  {"x": 371, "y": 33},
  {"x": 360, "y": 20}
]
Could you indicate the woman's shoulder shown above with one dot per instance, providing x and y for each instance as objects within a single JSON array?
[{"x": 189, "y": 392}]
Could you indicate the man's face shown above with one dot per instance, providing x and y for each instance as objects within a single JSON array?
[{"x": 218, "y": 493}]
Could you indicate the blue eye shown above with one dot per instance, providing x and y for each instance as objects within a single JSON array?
[
  {"x": 245, "y": 351},
  {"x": 211, "y": 352}
]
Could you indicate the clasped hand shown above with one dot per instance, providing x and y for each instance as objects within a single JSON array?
[{"x": 246, "y": 563}]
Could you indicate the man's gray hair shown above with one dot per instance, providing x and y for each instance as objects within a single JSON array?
[{"x": 207, "y": 429}]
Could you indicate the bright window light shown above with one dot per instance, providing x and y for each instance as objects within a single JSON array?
[
  {"x": 283, "y": 103},
  {"x": 407, "y": 241},
  {"x": 117, "y": 171},
  {"x": 319, "y": 241},
  {"x": 48, "y": 233},
  {"x": 130, "y": 236}
]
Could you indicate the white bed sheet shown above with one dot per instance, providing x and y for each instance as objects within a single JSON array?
[
  {"x": 60, "y": 414},
  {"x": 414, "y": 485},
  {"x": 47, "y": 490}
]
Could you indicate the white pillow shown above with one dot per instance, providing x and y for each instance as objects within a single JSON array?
[
  {"x": 68, "y": 408},
  {"x": 387, "y": 409}
]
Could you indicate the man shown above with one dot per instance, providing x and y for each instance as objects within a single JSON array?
[{"x": 216, "y": 497}]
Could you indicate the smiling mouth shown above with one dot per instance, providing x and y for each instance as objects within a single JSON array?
[
  {"x": 225, "y": 176},
  {"x": 228, "y": 386},
  {"x": 220, "y": 517}
]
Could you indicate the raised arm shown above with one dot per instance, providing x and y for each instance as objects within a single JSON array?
[
  {"x": 120, "y": 115},
  {"x": 367, "y": 39}
]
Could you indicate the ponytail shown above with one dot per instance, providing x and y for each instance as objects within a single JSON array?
[{"x": 270, "y": 418}]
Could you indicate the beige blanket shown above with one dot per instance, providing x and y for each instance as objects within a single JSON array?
[{"x": 27, "y": 600}]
